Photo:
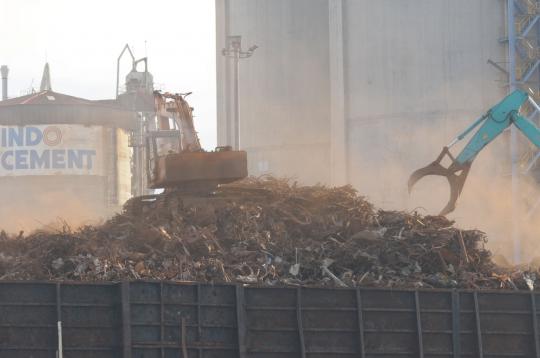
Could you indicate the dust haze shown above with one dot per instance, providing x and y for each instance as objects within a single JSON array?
[
  {"x": 485, "y": 203},
  {"x": 72, "y": 207}
]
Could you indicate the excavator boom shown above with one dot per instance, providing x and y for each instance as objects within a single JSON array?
[{"x": 491, "y": 125}]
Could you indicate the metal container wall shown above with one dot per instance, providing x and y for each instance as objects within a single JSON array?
[{"x": 161, "y": 319}]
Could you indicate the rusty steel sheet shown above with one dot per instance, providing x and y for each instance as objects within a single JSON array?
[
  {"x": 218, "y": 167},
  {"x": 151, "y": 319}
]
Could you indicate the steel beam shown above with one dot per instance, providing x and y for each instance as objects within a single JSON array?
[{"x": 514, "y": 157}]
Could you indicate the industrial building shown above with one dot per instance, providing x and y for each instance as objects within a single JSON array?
[
  {"x": 62, "y": 157},
  {"x": 79, "y": 160},
  {"x": 368, "y": 97},
  {"x": 361, "y": 91}
]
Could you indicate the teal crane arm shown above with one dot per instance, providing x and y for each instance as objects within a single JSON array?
[{"x": 491, "y": 125}]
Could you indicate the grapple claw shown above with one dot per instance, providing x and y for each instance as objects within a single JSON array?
[{"x": 455, "y": 174}]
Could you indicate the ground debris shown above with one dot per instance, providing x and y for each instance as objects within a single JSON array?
[{"x": 263, "y": 231}]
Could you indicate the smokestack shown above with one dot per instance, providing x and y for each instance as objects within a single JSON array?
[{"x": 4, "y": 70}]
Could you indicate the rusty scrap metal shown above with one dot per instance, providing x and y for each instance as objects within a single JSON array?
[{"x": 263, "y": 231}]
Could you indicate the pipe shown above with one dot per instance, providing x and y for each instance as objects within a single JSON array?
[
  {"x": 118, "y": 66},
  {"x": 236, "y": 75},
  {"x": 535, "y": 105},
  {"x": 60, "y": 351},
  {"x": 5, "y": 71}
]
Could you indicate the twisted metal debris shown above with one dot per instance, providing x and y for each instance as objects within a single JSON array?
[{"x": 262, "y": 231}]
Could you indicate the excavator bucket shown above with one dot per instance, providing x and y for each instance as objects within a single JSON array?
[
  {"x": 203, "y": 171},
  {"x": 455, "y": 174}
]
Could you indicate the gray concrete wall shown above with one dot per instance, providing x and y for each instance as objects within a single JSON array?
[
  {"x": 284, "y": 87},
  {"x": 413, "y": 73},
  {"x": 416, "y": 74}
]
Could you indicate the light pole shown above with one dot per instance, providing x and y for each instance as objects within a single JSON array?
[{"x": 234, "y": 52}]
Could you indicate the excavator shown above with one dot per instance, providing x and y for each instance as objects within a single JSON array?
[
  {"x": 491, "y": 125},
  {"x": 169, "y": 154},
  {"x": 175, "y": 158}
]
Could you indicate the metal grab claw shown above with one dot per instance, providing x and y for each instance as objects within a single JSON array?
[
  {"x": 455, "y": 174},
  {"x": 490, "y": 126}
]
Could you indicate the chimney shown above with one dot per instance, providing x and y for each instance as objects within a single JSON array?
[
  {"x": 4, "y": 70},
  {"x": 46, "y": 79}
]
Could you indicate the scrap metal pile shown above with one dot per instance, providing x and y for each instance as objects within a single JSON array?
[{"x": 262, "y": 231}]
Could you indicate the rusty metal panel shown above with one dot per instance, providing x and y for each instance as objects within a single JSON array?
[
  {"x": 91, "y": 320},
  {"x": 157, "y": 310},
  {"x": 29, "y": 314},
  {"x": 271, "y": 323},
  {"x": 27, "y": 320},
  {"x": 218, "y": 167},
  {"x": 506, "y": 324},
  {"x": 389, "y": 323}
]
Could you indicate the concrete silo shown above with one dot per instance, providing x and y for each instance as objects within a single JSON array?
[{"x": 62, "y": 157}]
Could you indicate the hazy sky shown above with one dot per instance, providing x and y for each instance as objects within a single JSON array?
[{"x": 81, "y": 40}]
